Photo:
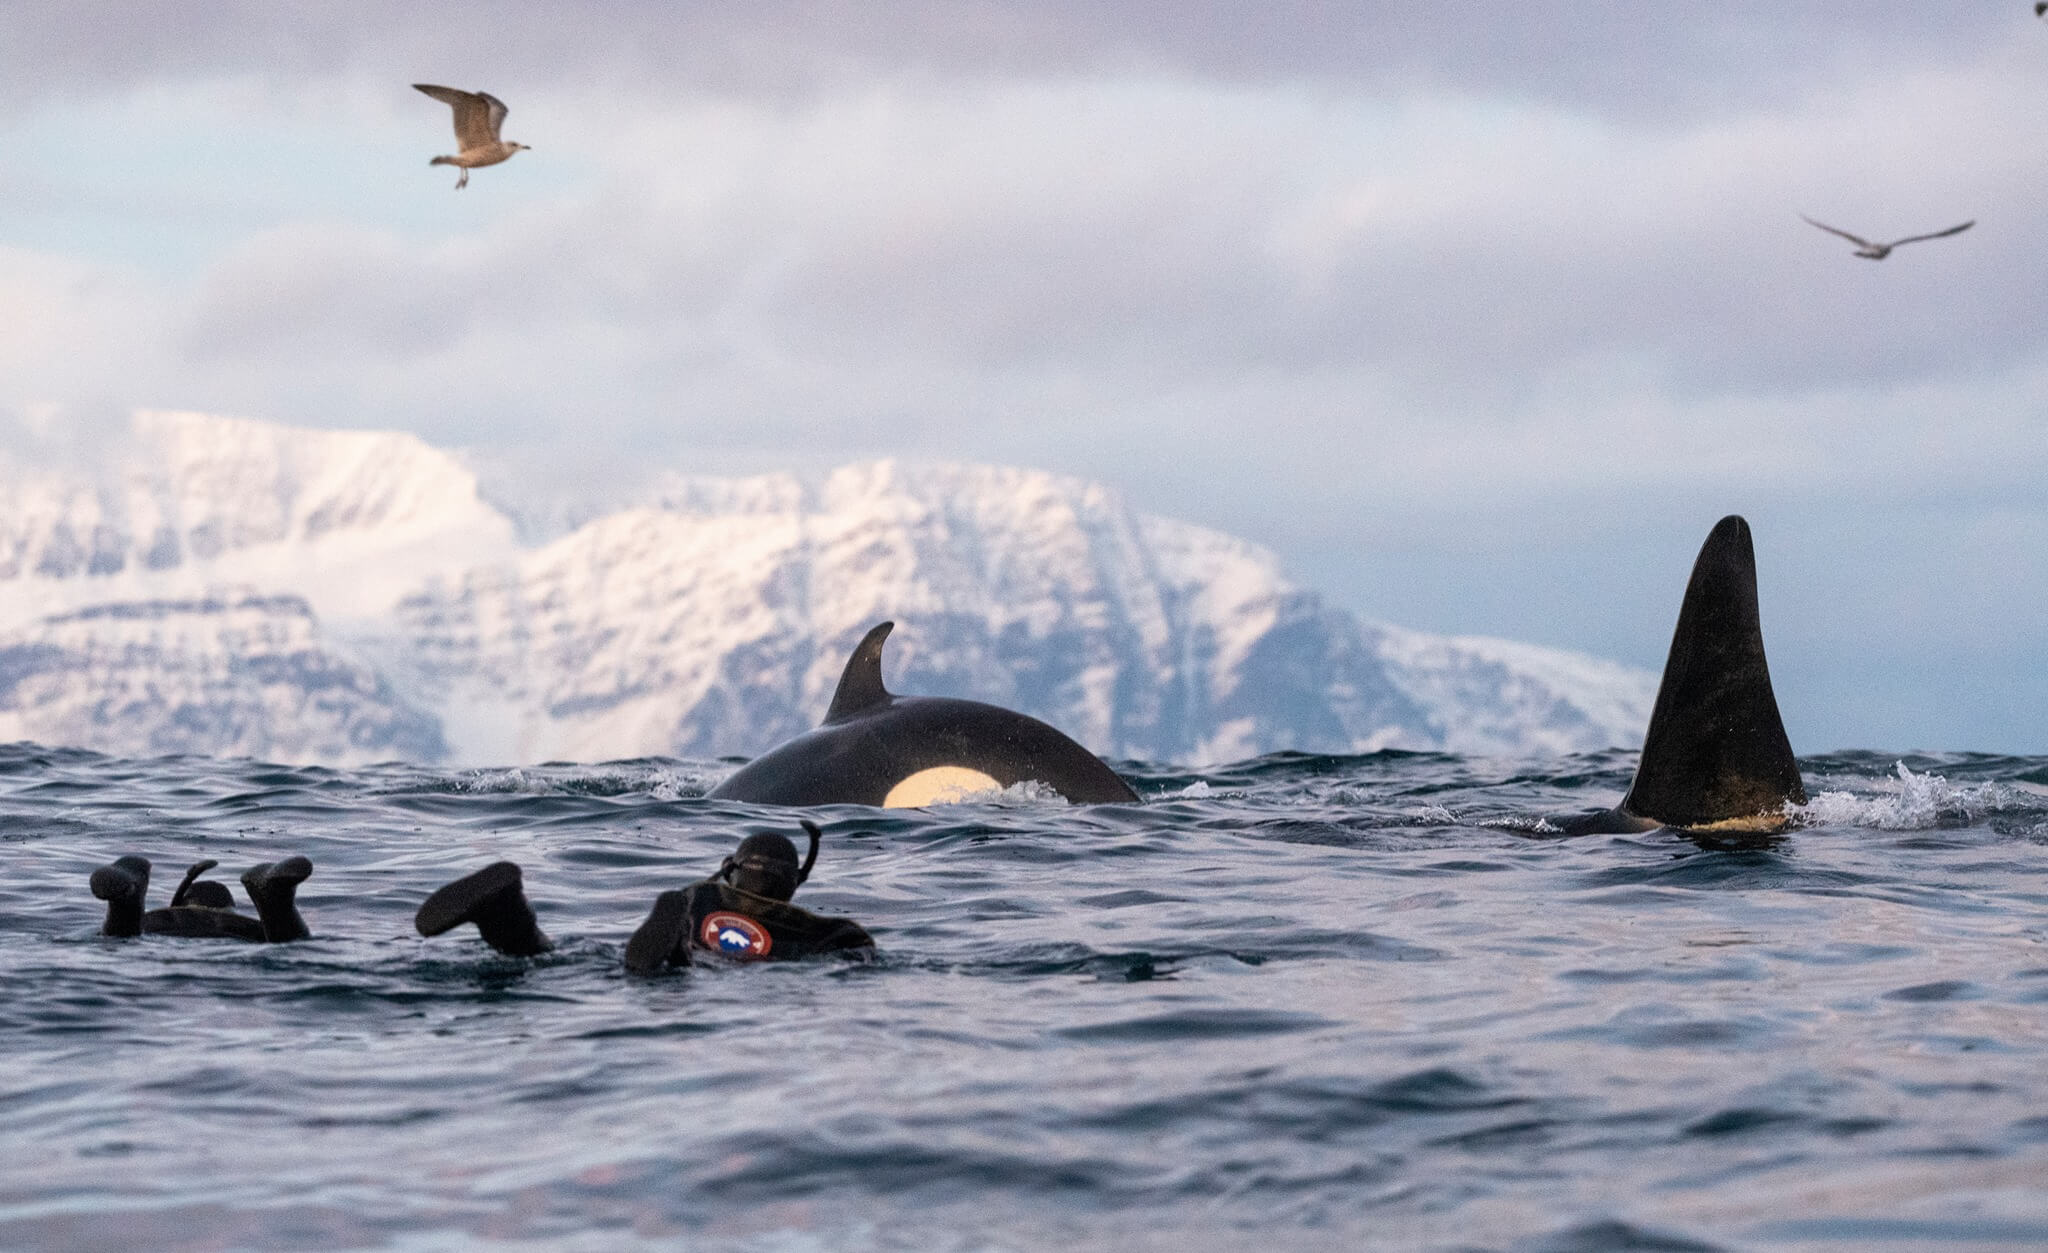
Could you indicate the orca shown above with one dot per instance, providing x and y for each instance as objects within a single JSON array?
[
  {"x": 875, "y": 748},
  {"x": 1716, "y": 757}
]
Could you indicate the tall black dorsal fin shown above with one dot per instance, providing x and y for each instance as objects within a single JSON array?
[
  {"x": 1716, "y": 750},
  {"x": 860, "y": 684}
]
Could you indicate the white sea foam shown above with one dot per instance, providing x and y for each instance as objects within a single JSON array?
[
  {"x": 1528, "y": 824},
  {"x": 660, "y": 782},
  {"x": 1029, "y": 793},
  {"x": 1906, "y": 802}
]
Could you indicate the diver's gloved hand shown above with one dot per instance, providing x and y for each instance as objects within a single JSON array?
[{"x": 664, "y": 939}]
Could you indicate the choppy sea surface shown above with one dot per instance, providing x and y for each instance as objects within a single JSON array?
[{"x": 1318, "y": 1001}]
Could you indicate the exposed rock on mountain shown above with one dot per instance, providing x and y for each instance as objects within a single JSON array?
[{"x": 239, "y": 674}]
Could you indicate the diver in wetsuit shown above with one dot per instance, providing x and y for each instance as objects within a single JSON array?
[
  {"x": 203, "y": 908},
  {"x": 742, "y": 911}
]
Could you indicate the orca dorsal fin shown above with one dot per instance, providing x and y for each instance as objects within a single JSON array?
[
  {"x": 1716, "y": 750},
  {"x": 860, "y": 684}
]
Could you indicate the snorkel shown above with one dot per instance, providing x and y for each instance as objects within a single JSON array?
[
  {"x": 208, "y": 895},
  {"x": 811, "y": 857}
]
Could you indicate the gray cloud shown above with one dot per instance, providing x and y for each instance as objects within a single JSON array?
[{"x": 1615, "y": 58}]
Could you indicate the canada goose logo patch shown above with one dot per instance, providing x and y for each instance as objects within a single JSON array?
[{"x": 735, "y": 935}]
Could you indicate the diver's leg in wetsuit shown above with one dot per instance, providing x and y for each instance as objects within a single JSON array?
[
  {"x": 663, "y": 940},
  {"x": 274, "y": 887},
  {"x": 493, "y": 898},
  {"x": 122, "y": 886}
]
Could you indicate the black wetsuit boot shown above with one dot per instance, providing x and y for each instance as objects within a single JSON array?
[
  {"x": 122, "y": 886},
  {"x": 493, "y": 898},
  {"x": 274, "y": 889}
]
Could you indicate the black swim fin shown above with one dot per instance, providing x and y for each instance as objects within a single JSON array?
[
  {"x": 493, "y": 898},
  {"x": 860, "y": 684},
  {"x": 1716, "y": 751}
]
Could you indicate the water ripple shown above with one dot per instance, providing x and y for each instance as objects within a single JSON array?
[{"x": 1338, "y": 1000}]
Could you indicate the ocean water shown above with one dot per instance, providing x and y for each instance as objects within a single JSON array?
[{"x": 1323, "y": 1002}]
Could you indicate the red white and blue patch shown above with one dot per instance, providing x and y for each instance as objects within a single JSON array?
[{"x": 735, "y": 935}]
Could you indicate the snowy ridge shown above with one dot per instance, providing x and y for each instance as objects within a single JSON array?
[
  {"x": 189, "y": 501},
  {"x": 1502, "y": 697},
  {"x": 238, "y": 673},
  {"x": 720, "y": 624},
  {"x": 713, "y": 620}
]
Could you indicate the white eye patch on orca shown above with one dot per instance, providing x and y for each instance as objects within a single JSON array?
[{"x": 939, "y": 785}]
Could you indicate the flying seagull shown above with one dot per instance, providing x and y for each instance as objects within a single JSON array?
[
  {"x": 1878, "y": 252},
  {"x": 478, "y": 115}
]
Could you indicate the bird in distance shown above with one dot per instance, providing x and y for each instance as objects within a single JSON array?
[
  {"x": 1878, "y": 252},
  {"x": 478, "y": 115}
]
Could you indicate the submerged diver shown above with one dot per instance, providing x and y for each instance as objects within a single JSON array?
[
  {"x": 204, "y": 908},
  {"x": 742, "y": 911}
]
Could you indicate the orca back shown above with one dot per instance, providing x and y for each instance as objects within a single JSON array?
[{"x": 875, "y": 748}]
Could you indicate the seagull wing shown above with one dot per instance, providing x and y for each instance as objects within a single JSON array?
[
  {"x": 473, "y": 124},
  {"x": 1858, "y": 240},
  {"x": 1953, "y": 230},
  {"x": 496, "y": 112}
]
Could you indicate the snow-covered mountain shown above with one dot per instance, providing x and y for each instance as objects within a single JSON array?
[
  {"x": 712, "y": 619},
  {"x": 186, "y": 502}
]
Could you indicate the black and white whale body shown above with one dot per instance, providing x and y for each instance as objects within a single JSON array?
[
  {"x": 875, "y": 748},
  {"x": 1716, "y": 757}
]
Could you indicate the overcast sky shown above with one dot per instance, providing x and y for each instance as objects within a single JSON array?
[{"x": 1480, "y": 315}]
